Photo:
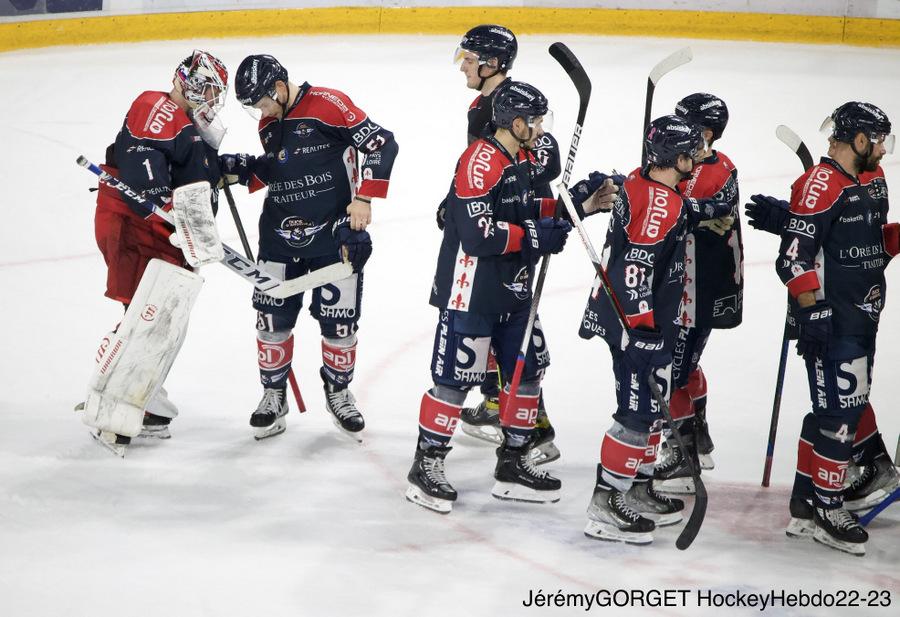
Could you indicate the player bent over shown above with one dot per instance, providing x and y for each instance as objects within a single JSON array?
[
  {"x": 645, "y": 258},
  {"x": 835, "y": 246},
  {"x": 714, "y": 289},
  {"x": 315, "y": 214},
  {"x": 166, "y": 141},
  {"x": 494, "y": 234}
]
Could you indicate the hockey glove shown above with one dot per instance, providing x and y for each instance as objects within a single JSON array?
[
  {"x": 544, "y": 236},
  {"x": 586, "y": 191},
  {"x": 815, "y": 330},
  {"x": 767, "y": 213},
  {"x": 890, "y": 233},
  {"x": 719, "y": 226},
  {"x": 441, "y": 214},
  {"x": 646, "y": 350},
  {"x": 705, "y": 209},
  {"x": 235, "y": 168},
  {"x": 355, "y": 246}
]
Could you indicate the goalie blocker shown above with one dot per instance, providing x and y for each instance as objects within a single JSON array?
[{"x": 134, "y": 365}]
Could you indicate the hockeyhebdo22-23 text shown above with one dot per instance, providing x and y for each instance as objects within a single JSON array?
[{"x": 708, "y": 598}]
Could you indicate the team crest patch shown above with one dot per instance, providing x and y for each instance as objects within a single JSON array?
[
  {"x": 303, "y": 130},
  {"x": 872, "y": 303},
  {"x": 298, "y": 232},
  {"x": 282, "y": 155},
  {"x": 519, "y": 286}
]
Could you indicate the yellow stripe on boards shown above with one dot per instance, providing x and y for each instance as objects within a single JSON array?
[{"x": 450, "y": 20}]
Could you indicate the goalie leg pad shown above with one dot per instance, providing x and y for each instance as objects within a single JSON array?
[
  {"x": 195, "y": 224},
  {"x": 140, "y": 353}
]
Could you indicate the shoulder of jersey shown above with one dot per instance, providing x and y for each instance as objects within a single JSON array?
[
  {"x": 867, "y": 176},
  {"x": 655, "y": 209},
  {"x": 818, "y": 189},
  {"x": 709, "y": 178},
  {"x": 153, "y": 115},
  {"x": 476, "y": 102},
  {"x": 480, "y": 168},
  {"x": 329, "y": 106}
]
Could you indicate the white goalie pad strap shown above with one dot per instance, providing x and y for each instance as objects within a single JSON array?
[
  {"x": 311, "y": 280},
  {"x": 195, "y": 224},
  {"x": 140, "y": 353}
]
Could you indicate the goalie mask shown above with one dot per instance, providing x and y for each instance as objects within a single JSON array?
[{"x": 204, "y": 81}]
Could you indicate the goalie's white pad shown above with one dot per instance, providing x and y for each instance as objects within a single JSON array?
[
  {"x": 195, "y": 224},
  {"x": 142, "y": 350}
]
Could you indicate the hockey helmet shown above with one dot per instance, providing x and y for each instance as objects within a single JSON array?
[
  {"x": 256, "y": 77},
  {"x": 668, "y": 137},
  {"x": 203, "y": 79},
  {"x": 490, "y": 41},
  {"x": 852, "y": 118},
  {"x": 516, "y": 99},
  {"x": 707, "y": 110}
]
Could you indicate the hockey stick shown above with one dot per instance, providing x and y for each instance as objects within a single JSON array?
[
  {"x": 667, "y": 64},
  {"x": 871, "y": 514},
  {"x": 292, "y": 379},
  {"x": 692, "y": 527},
  {"x": 234, "y": 261},
  {"x": 577, "y": 74},
  {"x": 792, "y": 141}
]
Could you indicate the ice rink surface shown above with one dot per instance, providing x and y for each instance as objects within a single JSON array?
[{"x": 213, "y": 523}]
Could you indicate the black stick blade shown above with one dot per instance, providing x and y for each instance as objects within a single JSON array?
[{"x": 570, "y": 64}]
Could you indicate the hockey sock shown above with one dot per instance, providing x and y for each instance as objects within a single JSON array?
[
  {"x": 276, "y": 349},
  {"x": 682, "y": 410},
  {"x": 697, "y": 389},
  {"x": 803, "y": 486},
  {"x": 490, "y": 387},
  {"x": 621, "y": 453},
  {"x": 518, "y": 416},
  {"x": 649, "y": 460},
  {"x": 832, "y": 447},
  {"x": 868, "y": 443},
  {"x": 437, "y": 420},
  {"x": 338, "y": 361}
]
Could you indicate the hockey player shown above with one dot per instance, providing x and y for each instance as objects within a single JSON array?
[
  {"x": 713, "y": 292},
  {"x": 644, "y": 256},
  {"x": 158, "y": 149},
  {"x": 315, "y": 214},
  {"x": 486, "y": 55},
  {"x": 495, "y": 232},
  {"x": 835, "y": 245}
]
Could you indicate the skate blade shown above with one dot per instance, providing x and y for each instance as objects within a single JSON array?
[
  {"x": 355, "y": 436},
  {"x": 155, "y": 432},
  {"x": 79, "y": 406},
  {"x": 116, "y": 448},
  {"x": 415, "y": 495},
  {"x": 706, "y": 462},
  {"x": 800, "y": 528},
  {"x": 663, "y": 519},
  {"x": 510, "y": 491},
  {"x": 486, "y": 432},
  {"x": 675, "y": 486},
  {"x": 543, "y": 454},
  {"x": 276, "y": 428},
  {"x": 611, "y": 533},
  {"x": 871, "y": 500},
  {"x": 822, "y": 537}
]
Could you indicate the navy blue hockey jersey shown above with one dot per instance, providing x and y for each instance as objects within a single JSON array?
[
  {"x": 311, "y": 172},
  {"x": 480, "y": 265},
  {"x": 832, "y": 244},
  {"x": 714, "y": 264}
]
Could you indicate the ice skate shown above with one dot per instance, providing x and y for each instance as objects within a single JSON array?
[
  {"x": 875, "y": 482},
  {"x": 483, "y": 421},
  {"x": 802, "y": 524},
  {"x": 610, "y": 518},
  {"x": 543, "y": 450},
  {"x": 839, "y": 529},
  {"x": 341, "y": 404},
  {"x": 672, "y": 473},
  {"x": 647, "y": 502},
  {"x": 111, "y": 441},
  {"x": 428, "y": 486},
  {"x": 705, "y": 444},
  {"x": 517, "y": 479},
  {"x": 155, "y": 427},
  {"x": 269, "y": 418}
]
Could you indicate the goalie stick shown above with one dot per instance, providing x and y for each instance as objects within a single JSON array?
[
  {"x": 292, "y": 379},
  {"x": 667, "y": 64},
  {"x": 692, "y": 527},
  {"x": 582, "y": 82},
  {"x": 792, "y": 141},
  {"x": 865, "y": 519},
  {"x": 257, "y": 276}
]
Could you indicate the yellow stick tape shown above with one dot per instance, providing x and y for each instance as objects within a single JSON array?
[{"x": 450, "y": 20}]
